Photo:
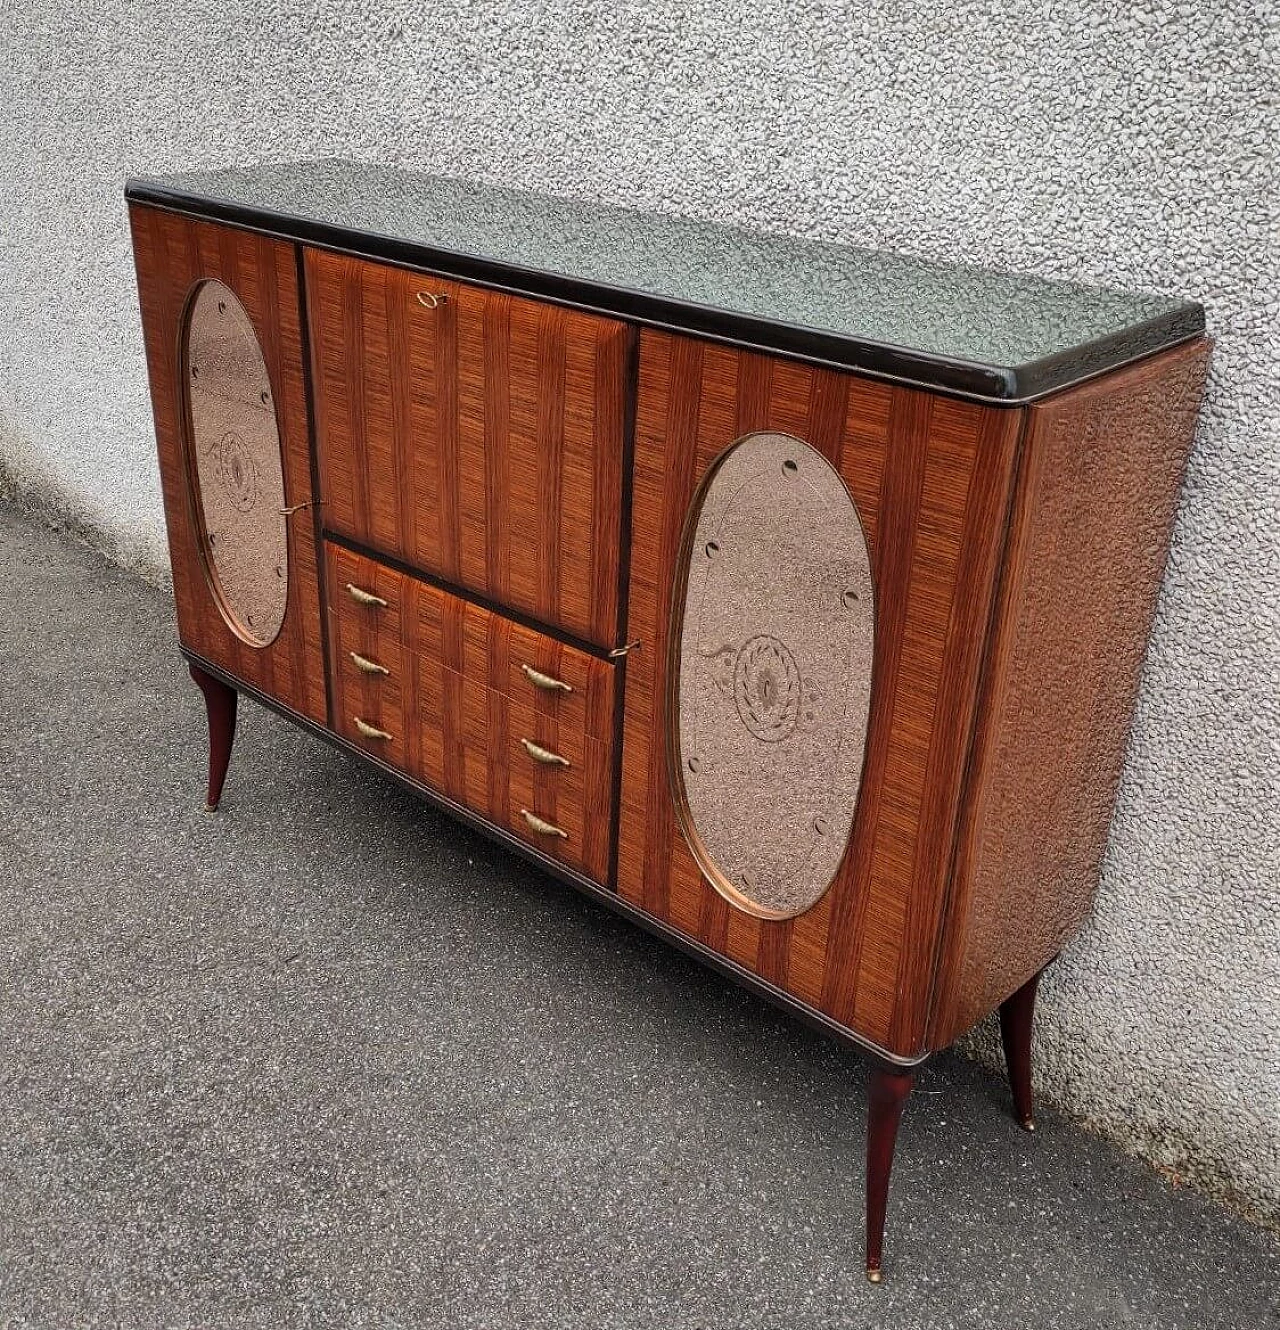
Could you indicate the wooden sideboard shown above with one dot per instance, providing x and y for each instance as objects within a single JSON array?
[{"x": 788, "y": 598}]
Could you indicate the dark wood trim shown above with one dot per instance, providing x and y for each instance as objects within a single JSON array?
[
  {"x": 996, "y": 385},
  {"x": 628, "y": 458},
  {"x": 220, "y": 711},
  {"x": 1017, "y": 1019},
  {"x": 317, "y": 499},
  {"x": 886, "y": 1098},
  {"x": 878, "y": 1057},
  {"x": 624, "y": 592}
]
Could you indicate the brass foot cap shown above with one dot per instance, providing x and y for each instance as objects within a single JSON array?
[
  {"x": 211, "y": 808},
  {"x": 873, "y": 1274},
  {"x": 1028, "y": 1124}
]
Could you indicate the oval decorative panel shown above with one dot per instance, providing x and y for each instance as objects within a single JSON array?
[
  {"x": 771, "y": 674},
  {"x": 238, "y": 470}
]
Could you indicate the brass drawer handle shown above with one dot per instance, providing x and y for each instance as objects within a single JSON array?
[
  {"x": 367, "y": 666},
  {"x": 428, "y": 300},
  {"x": 363, "y": 597},
  {"x": 545, "y": 681},
  {"x": 542, "y": 827},
  {"x": 369, "y": 731},
  {"x": 540, "y": 754}
]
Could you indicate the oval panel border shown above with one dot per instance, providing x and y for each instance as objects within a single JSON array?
[
  {"x": 765, "y": 726},
  {"x": 232, "y": 463}
]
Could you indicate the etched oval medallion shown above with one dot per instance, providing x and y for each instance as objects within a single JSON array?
[
  {"x": 772, "y": 647},
  {"x": 238, "y": 471}
]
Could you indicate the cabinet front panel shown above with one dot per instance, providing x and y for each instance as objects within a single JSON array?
[
  {"x": 474, "y": 435},
  {"x": 221, "y": 322},
  {"x": 509, "y": 722},
  {"x": 931, "y": 480}
]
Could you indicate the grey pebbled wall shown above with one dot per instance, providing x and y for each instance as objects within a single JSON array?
[{"x": 1130, "y": 145}]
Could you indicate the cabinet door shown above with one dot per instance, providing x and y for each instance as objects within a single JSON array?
[
  {"x": 474, "y": 435},
  {"x": 798, "y": 699},
  {"x": 221, "y": 322}
]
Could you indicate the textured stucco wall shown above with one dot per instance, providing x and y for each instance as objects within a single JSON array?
[{"x": 1131, "y": 145}]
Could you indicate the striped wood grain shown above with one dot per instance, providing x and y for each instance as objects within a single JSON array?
[
  {"x": 172, "y": 255},
  {"x": 480, "y": 440},
  {"x": 932, "y": 480}
]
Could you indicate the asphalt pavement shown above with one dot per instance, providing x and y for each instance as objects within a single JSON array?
[{"x": 326, "y": 1058}]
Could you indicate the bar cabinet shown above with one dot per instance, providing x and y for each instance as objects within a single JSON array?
[{"x": 788, "y": 598}]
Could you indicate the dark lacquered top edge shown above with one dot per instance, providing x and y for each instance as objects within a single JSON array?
[{"x": 1009, "y": 385}]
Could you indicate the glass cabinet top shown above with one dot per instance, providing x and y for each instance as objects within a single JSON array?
[{"x": 988, "y": 335}]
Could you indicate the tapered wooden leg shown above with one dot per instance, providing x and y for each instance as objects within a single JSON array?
[
  {"x": 887, "y": 1094},
  {"x": 220, "y": 705},
  {"x": 1016, "y": 1017}
]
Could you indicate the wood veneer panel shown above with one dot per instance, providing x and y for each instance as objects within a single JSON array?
[
  {"x": 457, "y": 705},
  {"x": 1097, "y": 492},
  {"x": 172, "y": 255},
  {"x": 480, "y": 440},
  {"x": 932, "y": 480}
]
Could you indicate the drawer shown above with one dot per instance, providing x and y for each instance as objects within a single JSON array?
[
  {"x": 367, "y": 663},
  {"x": 475, "y": 435},
  {"x": 513, "y": 724}
]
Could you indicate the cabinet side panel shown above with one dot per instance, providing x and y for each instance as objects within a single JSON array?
[
  {"x": 932, "y": 481},
  {"x": 1097, "y": 492},
  {"x": 172, "y": 255}
]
